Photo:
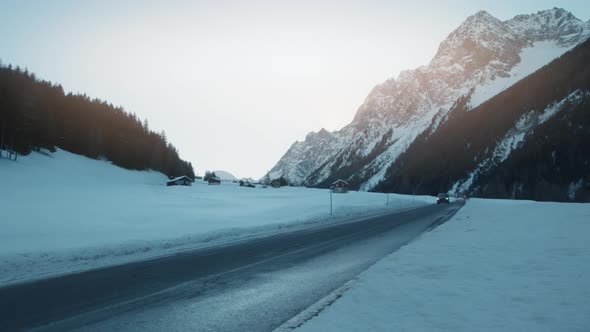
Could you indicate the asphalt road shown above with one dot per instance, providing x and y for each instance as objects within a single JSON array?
[{"x": 253, "y": 285}]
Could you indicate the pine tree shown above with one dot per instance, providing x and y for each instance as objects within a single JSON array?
[{"x": 39, "y": 115}]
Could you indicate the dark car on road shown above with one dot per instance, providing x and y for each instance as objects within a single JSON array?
[{"x": 443, "y": 198}]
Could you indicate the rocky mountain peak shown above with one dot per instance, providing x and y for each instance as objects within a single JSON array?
[
  {"x": 481, "y": 35},
  {"x": 322, "y": 134},
  {"x": 552, "y": 24},
  {"x": 548, "y": 15},
  {"x": 482, "y": 17}
]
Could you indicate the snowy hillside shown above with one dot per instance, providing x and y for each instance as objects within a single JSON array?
[
  {"x": 495, "y": 266},
  {"x": 223, "y": 175},
  {"x": 481, "y": 58},
  {"x": 532, "y": 58},
  {"x": 64, "y": 212}
]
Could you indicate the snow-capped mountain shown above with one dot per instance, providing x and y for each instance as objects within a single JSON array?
[
  {"x": 530, "y": 141},
  {"x": 481, "y": 58}
]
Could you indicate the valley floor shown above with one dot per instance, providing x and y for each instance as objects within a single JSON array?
[
  {"x": 63, "y": 212},
  {"x": 497, "y": 265}
]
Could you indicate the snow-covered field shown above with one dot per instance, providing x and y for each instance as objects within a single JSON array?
[
  {"x": 497, "y": 265},
  {"x": 65, "y": 212}
]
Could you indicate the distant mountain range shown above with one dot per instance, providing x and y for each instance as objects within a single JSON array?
[{"x": 476, "y": 102}]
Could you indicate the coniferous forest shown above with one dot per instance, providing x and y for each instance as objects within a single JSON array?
[{"x": 37, "y": 114}]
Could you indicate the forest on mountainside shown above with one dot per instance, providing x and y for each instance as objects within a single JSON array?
[{"x": 36, "y": 114}]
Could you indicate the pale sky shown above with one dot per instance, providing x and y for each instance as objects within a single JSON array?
[{"x": 235, "y": 83}]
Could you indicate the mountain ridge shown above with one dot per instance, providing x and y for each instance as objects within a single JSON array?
[
  {"x": 478, "y": 58},
  {"x": 528, "y": 142}
]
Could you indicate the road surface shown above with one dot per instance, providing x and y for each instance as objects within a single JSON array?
[{"x": 253, "y": 285}]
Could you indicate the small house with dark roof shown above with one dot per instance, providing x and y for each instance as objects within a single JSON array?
[
  {"x": 215, "y": 181},
  {"x": 180, "y": 181},
  {"x": 339, "y": 186}
]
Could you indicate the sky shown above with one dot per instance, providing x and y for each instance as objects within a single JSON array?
[{"x": 235, "y": 83}]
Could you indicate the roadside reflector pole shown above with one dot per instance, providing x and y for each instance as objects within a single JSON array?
[{"x": 330, "y": 201}]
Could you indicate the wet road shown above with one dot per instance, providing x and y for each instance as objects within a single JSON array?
[{"x": 253, "y": 285}]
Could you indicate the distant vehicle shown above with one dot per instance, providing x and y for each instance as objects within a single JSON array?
[{"x": 443, "y": 198}]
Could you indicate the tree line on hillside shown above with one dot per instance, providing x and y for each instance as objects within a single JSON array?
[
  {"x": 278, "y": 182},
  {"x": 209, "y": 176},
  {"x": 554, "y": 156},
  {"x": 552, "y": 165},
  {"x": 37, "y": 114}
]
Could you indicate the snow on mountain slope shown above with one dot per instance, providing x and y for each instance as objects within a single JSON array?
[
  {"x": 531, "y": 59},
  {"x": 225, "y": 175},
  {"x": 497, "y": 265},
  {"x": 482, "y": 57},
  {"x": 63, "y": 212},
  {"x": 554, "y": 24},
  {"x": 303, "y": 157}
]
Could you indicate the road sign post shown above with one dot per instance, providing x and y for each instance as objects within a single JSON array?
[{"x": 330, "y": 201}]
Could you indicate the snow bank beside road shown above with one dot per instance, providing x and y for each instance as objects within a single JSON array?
[
  {"x": 497, "y": 265},
  {"x": 66, "y": 212}
]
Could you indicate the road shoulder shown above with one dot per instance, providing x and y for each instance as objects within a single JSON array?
[{"x": 497, "y": 264}]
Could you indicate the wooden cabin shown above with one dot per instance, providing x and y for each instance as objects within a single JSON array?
[
  {"x": 339, "y": 186},
  {"x": 180, "y": 181}
]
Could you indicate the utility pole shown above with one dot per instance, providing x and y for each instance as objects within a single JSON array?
[
  {"x": 330, "y": 201},
  {"x": 387, "y": 204}
]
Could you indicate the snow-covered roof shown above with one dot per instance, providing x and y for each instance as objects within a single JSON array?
[
  {"x": 340, "y": 181},
  {"x": 180, "y": 178}
]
